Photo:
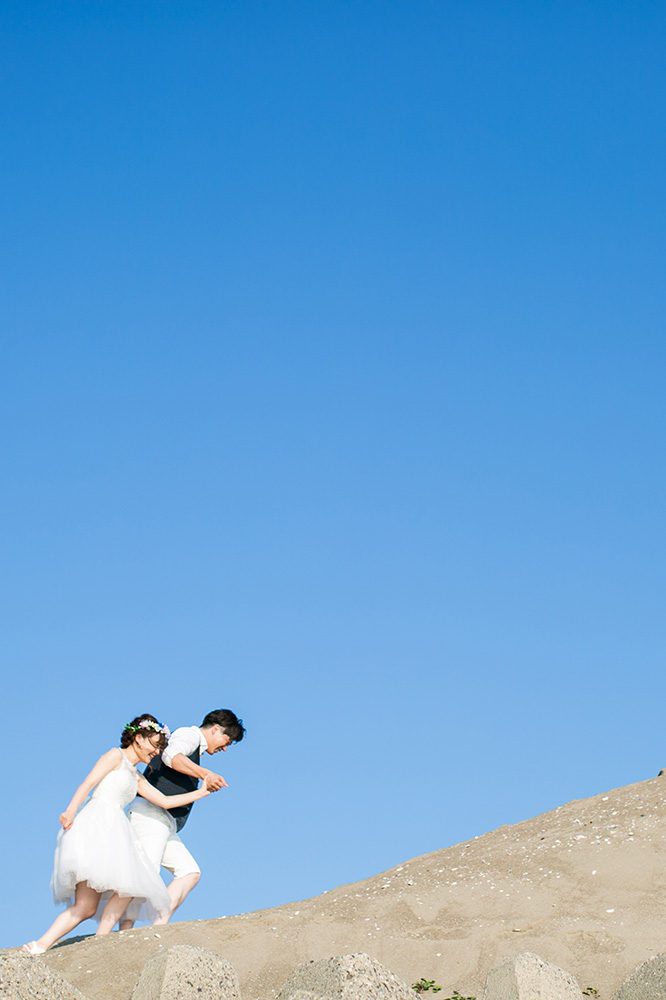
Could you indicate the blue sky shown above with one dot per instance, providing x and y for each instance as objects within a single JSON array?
[{"x": 332, "y": 392}]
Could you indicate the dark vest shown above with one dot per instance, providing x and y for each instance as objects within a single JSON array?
[{"x": 171, "y": 782}]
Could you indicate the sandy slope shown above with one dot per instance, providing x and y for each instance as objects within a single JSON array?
[{"x": 583, "y": 886}]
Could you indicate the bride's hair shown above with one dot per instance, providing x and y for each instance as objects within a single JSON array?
[{"x": 144, "y": 725}]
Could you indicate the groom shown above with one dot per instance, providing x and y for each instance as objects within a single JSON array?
[{"x": 178, "y": 770}]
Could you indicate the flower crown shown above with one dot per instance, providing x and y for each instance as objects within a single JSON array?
[{"x": 147, "y": 724}]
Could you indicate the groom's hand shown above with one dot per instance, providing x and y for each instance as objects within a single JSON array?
[
  {"x": 215, "y": 782},
  {"x": 183, "y": 764}
]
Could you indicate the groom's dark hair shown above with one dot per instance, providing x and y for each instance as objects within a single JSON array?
[{"x": 225, "y": 719}]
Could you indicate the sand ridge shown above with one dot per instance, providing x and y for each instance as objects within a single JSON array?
[{"x": 582, "y": 886}]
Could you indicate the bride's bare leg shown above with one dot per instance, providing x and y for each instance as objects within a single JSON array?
[
  {"x": 85, "y": 905},
  {"x": 112, "y": 913}
]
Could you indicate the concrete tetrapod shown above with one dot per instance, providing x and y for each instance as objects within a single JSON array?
[
  {"x": 23, "y": 977},
  {"x": 647, "y": 982},
  {"x": 345, "y": 977},
  {"x": 528, "y": 977},
  {"x": 185, "y": 972}
]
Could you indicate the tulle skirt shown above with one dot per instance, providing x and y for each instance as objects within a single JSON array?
[{"x": 101, "y": 848}]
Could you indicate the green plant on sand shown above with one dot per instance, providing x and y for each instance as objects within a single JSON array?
[{"x": 424, "y": 985}]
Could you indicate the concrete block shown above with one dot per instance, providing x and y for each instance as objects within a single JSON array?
[
  {"x": 187, "y": 973},
  {"x": 647, "y": 982},
  {"x": 528, "y": 977},
  {"x": 345, "y": 977},
  {"x": 23, "y": 977}
]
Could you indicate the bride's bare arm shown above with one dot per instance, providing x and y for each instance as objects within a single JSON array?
[
  {"x": 150, "y": 793},
  {"x": 107, "y": 762}
]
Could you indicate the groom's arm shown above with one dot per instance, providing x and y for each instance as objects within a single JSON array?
[
  {"x": 179, "y": 762},
  {"x": 182, "y": 743}
]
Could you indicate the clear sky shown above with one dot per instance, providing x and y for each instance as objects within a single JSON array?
[{"x": 333, "y": 393}]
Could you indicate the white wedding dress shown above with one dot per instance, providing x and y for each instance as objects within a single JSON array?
[{"x": 101, "y": 848}]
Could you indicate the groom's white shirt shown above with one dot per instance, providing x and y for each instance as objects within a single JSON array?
[{"x": 184, "y": 740}]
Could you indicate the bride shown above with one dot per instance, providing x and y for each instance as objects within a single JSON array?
[{"x": 98, "y": 852}]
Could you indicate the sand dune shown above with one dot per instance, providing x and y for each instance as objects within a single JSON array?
[{"x": 583, "y": 886}]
